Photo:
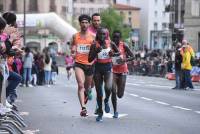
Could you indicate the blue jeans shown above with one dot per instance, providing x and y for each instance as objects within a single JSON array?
[
  {"x": 53, "y": 76},
  {"x": 13, "y": 80},
  {"x": 178, "y": 79},
  {"x": 47, "y": 75},
  {"x": 187, "y": 79},
  {"x": 27, "y": 71}
]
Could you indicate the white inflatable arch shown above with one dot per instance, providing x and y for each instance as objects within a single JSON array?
[{"x": 48, "y": 20}]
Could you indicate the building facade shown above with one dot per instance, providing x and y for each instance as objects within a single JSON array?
[
  {"x": 176, "y": 9},
  {"x": 39, "y": 37},
  {"x": 90, "y": 6},
  {"x": 131, "y": 16},
  {"x": 154, "y": 30},
  {"x": 192, "y": 23},
  {"x": 60, "y": 7}
]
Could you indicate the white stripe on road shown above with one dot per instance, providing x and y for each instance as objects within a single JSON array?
[
  {"x": 163, "y": 103},
  {"x": 136, "y": 84},
  {"x": 182, "y": 108},
  {"x": 198, "y": 112},
  {"x": 24, "y": 113},
  {"x": 135, "y": 95},
  {"x": 144, "y": 98},
  {"x": 133, "y": 84},
  {"x": 157, "y": 85}
]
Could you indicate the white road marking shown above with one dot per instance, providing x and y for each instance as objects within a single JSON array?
[
  {"x": 156, "y": 85},
  {"x": 198, "y": 112},
  {"x": 182, "y": 108},
  {"x": 135, "y": 95},
  {"x": 162, "y": 103},
  {"x": 18, "y": 100},
  {"x": 24, "y": 113},
  {"x": 109, "y": 115},
  {"x": 144, "y": 98},
  {"x": 31, "y": 131},
  {"x": 133, "y": 84}
]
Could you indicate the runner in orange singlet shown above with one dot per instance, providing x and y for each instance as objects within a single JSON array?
[{"x": 83, "y": 69}]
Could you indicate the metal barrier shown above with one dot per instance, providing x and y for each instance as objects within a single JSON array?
[{"x": 10, "y": 122}]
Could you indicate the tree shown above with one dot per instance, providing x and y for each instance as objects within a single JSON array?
[{"x": 113, "y": 21}]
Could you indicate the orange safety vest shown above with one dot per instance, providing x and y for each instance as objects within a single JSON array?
[
  {"x": 122, "y": 68},
  {"x": 103, "y": 56},
  {"x": 82, "y": 48}
]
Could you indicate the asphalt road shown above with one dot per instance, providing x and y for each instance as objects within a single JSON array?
[{"x": 149, "y": 106}]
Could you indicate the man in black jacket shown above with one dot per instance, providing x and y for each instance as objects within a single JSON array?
[{"x": 178, "y": 61}]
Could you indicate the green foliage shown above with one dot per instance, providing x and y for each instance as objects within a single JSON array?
[{"x": 113, "y": 21}]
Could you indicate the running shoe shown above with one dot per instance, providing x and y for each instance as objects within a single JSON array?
[
  {"x": 99, "y": 118},
  {"x": 107, "y": 107},
  {"x": 83, "y": 113},
  {"x": 116, "y": 115}
]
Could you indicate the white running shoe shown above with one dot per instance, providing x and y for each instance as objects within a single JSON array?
[
  {"x": 30, "y": 85},
  {"x": 8, "y": 105},
  {"x": 5, "y": 109}
]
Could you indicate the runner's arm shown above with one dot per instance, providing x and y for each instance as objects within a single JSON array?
[
  {"x": 73, "y": 47},
  {"x": 93, "y": 53},
  {"x": 129, "y": 53},
  {"x": 115, "y": 51}
]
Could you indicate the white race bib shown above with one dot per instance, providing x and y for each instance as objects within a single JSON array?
[
  {"x": 83, "y": 48},
  {"x": 115, "y": 59},
  {"x": 104, "y": 54}
]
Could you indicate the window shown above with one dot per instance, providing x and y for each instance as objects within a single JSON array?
[
  {"x": 64, "y": 9},
  {"x": 195, "y": 9},
  {"x": 13, "y": 6},
  {"x": 82, "y": 10},
  {"x": 163, "y": 14},
  {"x": 33, "y": 6},
  {"x": 91, "y": 11},
  {"x": 164, "y": 26},
  {"x": 74, "y": 11},
  {"x": 156, "y": 2},
  {"x": 1, "y": 7},
  {"x": 155, "y": 26},
  {"x": 129, "y": 12},
  {"x": 156, "y": 14},
  {"x": 130, "y": 20},
  {"x": 164, "y": 3},
  {"x": 121, "y": 13},
  {"x": 100, "y": 10},
  {"x": 91, "y": 0},
  {"x": 52, "y": 6}
]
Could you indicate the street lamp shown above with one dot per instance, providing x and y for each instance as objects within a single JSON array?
[{"x": 24, "y": 29}]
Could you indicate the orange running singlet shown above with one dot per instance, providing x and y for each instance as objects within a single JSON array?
[{"x": 82, "y": 48}]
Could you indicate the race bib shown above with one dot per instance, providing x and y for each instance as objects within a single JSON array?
[
  {"x": 104, "y": 54},
  {"x": 83, "y": 48},
  {"x": 116, "y": 59}
]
